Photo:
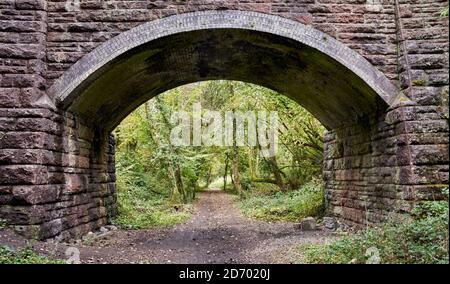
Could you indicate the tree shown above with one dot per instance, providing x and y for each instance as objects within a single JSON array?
[{"x": 146, "y": 157}]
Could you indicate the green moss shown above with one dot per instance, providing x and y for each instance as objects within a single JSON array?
[
  {"x": 444, "y": 12},
  {"x": 2, "y": 223},
  {"x": 419, "y": 82},
  {"x": 403, "y": 98}
]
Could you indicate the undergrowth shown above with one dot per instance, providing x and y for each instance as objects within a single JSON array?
[
  {"x": 270, "y": 205},
  {"x": 140, "y": 208},
  {"x": 421, "y": 238},
  {"x": 24, "y": 256}
]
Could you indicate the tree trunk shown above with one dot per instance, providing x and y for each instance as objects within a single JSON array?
[
  {"x": 235, "y": 161},
  {"x": 225, "y": 173},
  {"x": 179, "y": 183},
  {"x": 235, "y": 168},
  {"x": 208, "y": 178},
  {"x": 276, "y": 172},
  {"x": 235, "y": 164},
  {"x": 175, "y": 166}
]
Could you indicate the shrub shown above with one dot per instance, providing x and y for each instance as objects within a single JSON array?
[
  {"x": 24, "y": 256},
  {"x": 140, "y": 208},
  {"x": 422, "y": 238},
  {"x": 285, "y": 206}
]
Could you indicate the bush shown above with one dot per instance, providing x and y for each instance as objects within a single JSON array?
[
  {"x": 24, "y": 256},
  {"x": 285, "y": 206},
  {"x": 140, "y": 208},
  {"x": 423, "y": 238}
]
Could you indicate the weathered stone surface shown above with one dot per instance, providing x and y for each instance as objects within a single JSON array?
[
  {"x": 36, "y": 194},
  {"x": 382, "y": 152},
  {"x": 330, "y": 223},
  {"x": 31, "y": 4},
  {"x": 308, "y": 224}
]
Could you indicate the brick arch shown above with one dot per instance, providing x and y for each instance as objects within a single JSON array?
[
  {"x": 57, "y": 175},
  {"x": 355, "y": 71}
]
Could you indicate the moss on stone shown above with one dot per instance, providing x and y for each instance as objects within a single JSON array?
[{"x": 419, "y": 82}]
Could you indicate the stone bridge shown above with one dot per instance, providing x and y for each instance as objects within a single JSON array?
[{"x": 374, "y": 72}]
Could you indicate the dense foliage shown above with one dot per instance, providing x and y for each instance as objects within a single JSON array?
[
  {"x": 24, "y": 256},
  {"x": 308, "y": 200},
  {"x": 155, "y": 178},
  {"x": 141, "y": 208},
  {"x": 420, "y": 239}
]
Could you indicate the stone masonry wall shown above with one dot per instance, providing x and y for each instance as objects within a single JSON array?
[
  {"x": 57, "y": 173},
  {"x": 367, "y": 26},
  {"x": 67, "y": 185},
  {"x": 375, "y": 172},
  {"x": 405, "y": 155}
]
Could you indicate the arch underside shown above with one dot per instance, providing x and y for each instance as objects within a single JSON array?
[
  {"x": 331, "y": 92},
  {"x": 106, "y": 85}
]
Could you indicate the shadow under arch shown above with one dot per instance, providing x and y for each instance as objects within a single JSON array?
[{"x": 333, "y": 82}]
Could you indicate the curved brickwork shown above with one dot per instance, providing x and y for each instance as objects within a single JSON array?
[
  {"x": 206, "y": 20},
  {"x": 57, "y": 176}
]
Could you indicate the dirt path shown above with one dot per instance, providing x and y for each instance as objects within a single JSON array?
[{"x": 218, "y": 233}]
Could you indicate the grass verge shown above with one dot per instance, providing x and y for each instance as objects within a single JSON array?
[{"x": 284, "y": 206}]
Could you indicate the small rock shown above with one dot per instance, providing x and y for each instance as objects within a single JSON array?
[
  {"x": 88, "y": 236},
  {"x": 329, "y": 223},
  {"x": 58, "y": 239},
  {"x": 104, "y": 229},
  {"x": 308, "y": 224},
  {"x": 10, "y": 249},
  {"x": 105, "y": 235},
  {"x": 111, "y": 227}
]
